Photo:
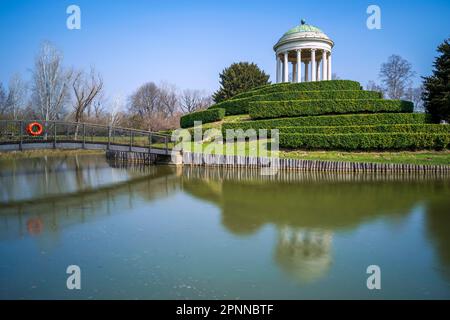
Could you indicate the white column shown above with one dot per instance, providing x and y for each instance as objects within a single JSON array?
[
  {"x": 318, "y": 70},
  {"x": 324, "y": 66},
  {"x": 299, "y": 65},
  {"x": 286, "y": 68},
  {"x": 294, "y": 71},
  {"x": 306, "y": 71},
  {"x": 313, "y": 64},
  {"x": 329, "y": 66},
  {"x": 278, "y": 67}
]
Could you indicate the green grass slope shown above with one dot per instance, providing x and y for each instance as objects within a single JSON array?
[{"x": 331, "y": 115}]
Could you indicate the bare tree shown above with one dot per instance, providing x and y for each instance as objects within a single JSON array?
[
  {"x": 396, "y": 75},
  {"x": 3, "y": 111},
  {"x": 192, "y": 100},
  {"x": 85, "y": 88},
  {"x": 152, "y": 107},
  {"x": 16, "y": 96},
  {"x": 334, "y": 76},
  {"x": 373, "y": 86},
  {"x": 96, "y": 111},
  {"x": 50, "y": 83},
  {"x": 145, "y": 100},
  {"x": 415, "y": 95},
  {"x": 168, "y": 99},
  {"x": 116, "y": 110}
]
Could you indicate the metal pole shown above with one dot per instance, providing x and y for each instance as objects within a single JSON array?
[
  {"x": 20, "y": 135},
  {"x": 166, "y": 143},
  {"x": 109, "y": 137},
  {"x": 131, "y": 140},
  {"x": 54, "y": 135},
  {"x": 84, "y": 136},
  {"x": 150, "y": 138}
]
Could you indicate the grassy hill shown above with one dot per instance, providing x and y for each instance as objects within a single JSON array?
[{"x": 327, "y": 115}]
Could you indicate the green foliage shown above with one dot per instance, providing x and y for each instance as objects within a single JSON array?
[
  {"x": 239, "y": 77},
  {"x": 366, "y": 141},
  {"x": 388, "y": 128},
  {"x": 302, "y": 86},
  {"x": 205, "y": 116},
  {"x": 334, "y": 120},
  {"x": 292, "y": 108},
  {"x": 241, "y": 106},
  {"x": 436, "y": 95}
]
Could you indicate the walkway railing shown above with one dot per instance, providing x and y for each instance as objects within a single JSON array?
[{"x": 15, "y": 132}]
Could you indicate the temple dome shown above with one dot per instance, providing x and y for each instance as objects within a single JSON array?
[{"x": 303, "y": 31}]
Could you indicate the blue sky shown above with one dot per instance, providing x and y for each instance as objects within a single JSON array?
[{"x": 188, "y": 43}]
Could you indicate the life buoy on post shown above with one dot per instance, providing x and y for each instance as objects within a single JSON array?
[{"x": 35, "y": 129}]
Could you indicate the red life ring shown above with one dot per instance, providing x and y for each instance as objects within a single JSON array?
[{"x": 35, "y": 129}]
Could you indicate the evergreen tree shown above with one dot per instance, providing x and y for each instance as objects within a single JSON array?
[
  {"x": 239, "y": 77},
  {"x": 436, "y": 95}
]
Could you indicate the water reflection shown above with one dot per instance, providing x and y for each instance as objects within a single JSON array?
[
  {"x": 307, "y": 211},
  {"x": 304, "y": 254},
  {"x": 307, "y": 208}
]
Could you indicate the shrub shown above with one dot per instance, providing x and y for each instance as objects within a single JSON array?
[
  {"x": 302, "y": 86},
  {"x": 388, "y": 128},
  {"x": 205, "y": 116},
  {"x": 366, "y": 141},
  {"x": 334, "y": 120},
  {"x": 241, "y": 106},
  {"x": 292, "y": 108}
]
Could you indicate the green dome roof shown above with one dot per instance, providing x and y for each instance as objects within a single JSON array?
[
  {"x": 301, "y": 32},
  {"x": 303, "y": 27}
]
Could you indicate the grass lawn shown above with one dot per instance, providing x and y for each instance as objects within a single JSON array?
[
  {"x": 45, "y": 153},
  {"x": 403, "y": 157},
  {"x": 251, "y": 148}
]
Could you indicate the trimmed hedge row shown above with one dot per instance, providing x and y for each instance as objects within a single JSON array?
[
  {"x": 334, "y": 120},
  {"x": 302, "y": 86},
  {"x": 241, "y": 106},
  {"x": 276, "y": 109},
  {"x": 205, "y": 116},
  {"x": 366, "y": 141},
  {"x": 388, "y": 128}
]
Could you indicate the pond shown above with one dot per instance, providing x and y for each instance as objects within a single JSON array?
[{"x": 163, "y": 232}]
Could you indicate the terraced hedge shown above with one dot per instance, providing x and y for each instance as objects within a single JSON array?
[
  {"x": 241, "y": 106},
  {"x": 388, "y": 128},
  {"x": 333, "y": 120},
  {"x": 210, "y": 115},
  {"x": 366, "y": 141},
  {"x": 293, "y": 108},
  {"x": 303, "y": 86}
]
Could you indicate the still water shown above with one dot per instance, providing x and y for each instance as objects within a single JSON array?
[{"x": 195, "y": 233}]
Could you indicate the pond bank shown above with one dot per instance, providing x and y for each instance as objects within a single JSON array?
[{"x": 45, "y": 153}]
